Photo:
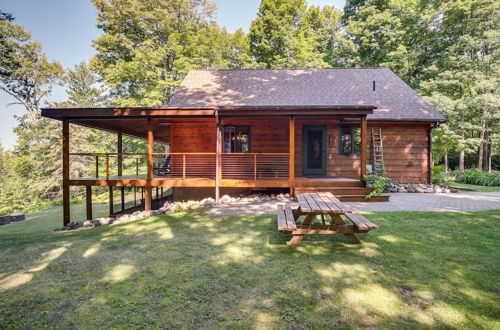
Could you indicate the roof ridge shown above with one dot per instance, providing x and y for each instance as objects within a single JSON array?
[{"x": 289, "y": 69}]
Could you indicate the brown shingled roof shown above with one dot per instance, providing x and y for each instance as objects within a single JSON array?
[{"x": 394, "y": 99}]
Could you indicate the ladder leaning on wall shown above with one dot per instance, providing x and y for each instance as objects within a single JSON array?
[{"x": 378, "y": 151}]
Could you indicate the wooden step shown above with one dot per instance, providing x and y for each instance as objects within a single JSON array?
[
  {"x": 326, "y": 183},
  {"x": 361, "y": 198},
  {"x": 336, "y": 190}
]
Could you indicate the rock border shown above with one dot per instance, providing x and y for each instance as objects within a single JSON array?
[
  {"x": 394, "y": 187},
  {"x": 172, "y": 207}
]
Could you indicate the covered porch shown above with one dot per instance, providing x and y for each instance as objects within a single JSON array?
[{"x": 191, "y": 148}]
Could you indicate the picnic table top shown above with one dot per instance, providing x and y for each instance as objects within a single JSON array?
[{"x": 323, "y": 202}]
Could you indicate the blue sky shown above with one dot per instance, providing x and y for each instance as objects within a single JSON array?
[{"x": 66, "y": 29}]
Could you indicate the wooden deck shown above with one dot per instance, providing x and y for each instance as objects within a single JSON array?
[{"x": 141, "y": 181}]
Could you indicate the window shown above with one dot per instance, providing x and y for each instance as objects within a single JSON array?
[
  {"x": 236, "y": 139},
  {"x": 350, "y": 138}
]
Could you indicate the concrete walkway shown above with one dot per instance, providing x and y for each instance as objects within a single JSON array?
[{"x": 457, "y": 202}]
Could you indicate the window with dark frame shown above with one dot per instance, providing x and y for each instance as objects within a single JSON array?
[
  {"x": 350, "y": 139},
  {"x": 236, "y": 139}
]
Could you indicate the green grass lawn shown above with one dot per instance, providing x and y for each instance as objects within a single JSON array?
[
  {"x": 474, "y": 187},
  {"x": 187, "y": 270}
]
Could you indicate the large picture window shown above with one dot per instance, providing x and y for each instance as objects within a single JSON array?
[
  {"x": 350, "y": 139},
  {"x": 236, "y": 139}
]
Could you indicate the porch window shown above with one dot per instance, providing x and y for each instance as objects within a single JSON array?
[
  {"x": 350, "y": 139},
  {"x": 236, "y": 139}
]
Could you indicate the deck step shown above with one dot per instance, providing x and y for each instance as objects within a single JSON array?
[
  {"x": 326, "y": 183},
  {"x": 361, "y": 198},
  {"x": 336, "y": 190}
]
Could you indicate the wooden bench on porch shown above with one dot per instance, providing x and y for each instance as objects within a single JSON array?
[{"x": 321, "y": 204}]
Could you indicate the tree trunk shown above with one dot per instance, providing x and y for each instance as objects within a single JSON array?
[
  {"x": 489, "y": 161},
  {"x": 487, "y": 148},
  {"x": 446, "y": 161},
  {"x": 481, "y": 147},
  {"x": 461, "y": 161}
]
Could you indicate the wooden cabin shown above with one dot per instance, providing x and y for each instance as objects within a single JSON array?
[{"x": 232, "y": 130}]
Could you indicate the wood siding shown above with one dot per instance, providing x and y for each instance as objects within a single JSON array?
[
  {"x": 406, "y": 153},
  {"x": 197, "y": 136}
]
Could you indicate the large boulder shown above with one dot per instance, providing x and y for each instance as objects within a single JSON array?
[
  {"x": 207, "y": 202},
  {"x": 225, "y": 199},
  {"x": 147, "y": 214},
  {"x": 88, "y": 224}
]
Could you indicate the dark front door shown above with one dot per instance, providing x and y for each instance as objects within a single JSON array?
[{"x": 314, "y": 150}]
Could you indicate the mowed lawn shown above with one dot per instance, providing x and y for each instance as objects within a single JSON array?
[
  {"x": 473, "y": 187},
  {"x": 188, "y": 270}
]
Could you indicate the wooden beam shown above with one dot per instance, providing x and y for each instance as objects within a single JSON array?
[
  {"x": 218, "y": 158},
  {"x": 88, "y": 113},
  {"x": 110, "y": 200},
  {"x": 363, "y": 148},
  {"x": 429, "y": 157},
  {"x": 88, "y": 196},
  {"x": 310, "y": 113},
  {"x": 291, "y": 152},
  {"x": 119, "y": 150},
  {"x": 150, "y": 148},
  {"x": 65, "y": 187},
  {"x": 120, "y": 167}
]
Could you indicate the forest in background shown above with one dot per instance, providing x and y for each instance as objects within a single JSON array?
[{"x": 446, "y": 50}]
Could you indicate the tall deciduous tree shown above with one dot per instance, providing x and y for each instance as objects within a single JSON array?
[
  {"x": 25, "y": 72},
  {"x": 467, "y": 75},
  {"x": 281, "y": 38},
  {"x": 326, "y": 25},
  {"x": 149, "y": 45}
]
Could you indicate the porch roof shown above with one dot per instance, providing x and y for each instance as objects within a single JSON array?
[{"x": 132, "y": 120}]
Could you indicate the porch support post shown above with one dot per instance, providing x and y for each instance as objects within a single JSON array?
[
  {"x": 363, "y": 147},
  {"x": 65, "y": 159},
  {"x": 120, "y": 166},
  {"x": 291, "y": 162},
  {"x": 218, "y": 158},
  {"x": 429, "y": 156},
  {"x": 88, "y": 195},
  {"x": 149, "y": 192},
  {"x": 110, "y": 200}
]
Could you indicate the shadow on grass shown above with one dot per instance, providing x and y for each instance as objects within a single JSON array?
[{"x": 189, "y": 270}]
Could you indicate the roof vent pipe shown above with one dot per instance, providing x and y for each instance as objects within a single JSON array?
[{"x": 374, "y": 85}]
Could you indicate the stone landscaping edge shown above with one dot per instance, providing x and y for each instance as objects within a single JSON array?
[
  {"x": 172, "y": 207},
  {"x": 418, "y": 188},
  {"x": 13, "y": 217}
]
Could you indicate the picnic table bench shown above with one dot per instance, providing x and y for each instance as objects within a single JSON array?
[{"x": 324, "y": 205}]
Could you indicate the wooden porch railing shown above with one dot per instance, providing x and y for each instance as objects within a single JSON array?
[
  {"x": 132, "y": 163},
  {"x": 185, "y": 165},
  {"x": 243, "y": 166},
  {"x": 255, "y": 166}
]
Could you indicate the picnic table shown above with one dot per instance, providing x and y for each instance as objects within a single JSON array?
[{"x": 331, "y": 212}]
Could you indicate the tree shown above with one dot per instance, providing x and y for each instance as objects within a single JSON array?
[
  {"x": 83, "y": 90},
  {"x": 149, "y": 45},
  {"x": 25, "y": 73},
  {"x": 326, "y": 24},
  {"x": 223, "y": 50},
  {"x": 398, "y": 34},
  {"x": 281, "y": 38},
  {"x": 467, "y": 74}
]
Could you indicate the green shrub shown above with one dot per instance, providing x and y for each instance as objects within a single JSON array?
[
  {"x": 379, "y": 184},
  {"x": 477, "y": 177},
  {"x": 5, "y": 210},
  {"x": 437, "y": 174},
  {"x": 440, "y": 177}
]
